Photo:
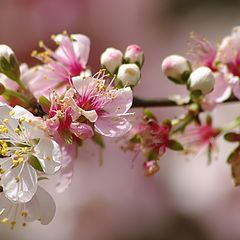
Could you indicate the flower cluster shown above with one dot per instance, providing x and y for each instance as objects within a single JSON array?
[{"x": 47, "y": 111}]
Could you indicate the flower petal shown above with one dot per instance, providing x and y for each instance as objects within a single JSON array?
[
  {"x": 112, "y": 126},
  {"x": 20, "y": 183},
  {"x": 49, "y": 155},
  {"x": 45, "y": 205},
  {"x": 221, "y": 91},
  {"x": 69, "y": 153},
  {"x": 81, "y": 47},
  {"x": 90, "y": 115},
  {"x": 121, "y": 103}
]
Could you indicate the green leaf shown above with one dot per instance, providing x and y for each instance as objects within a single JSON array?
[
  {"x": 34, "y": 162},
  {"x": 232, "y": 137},
  {"x": 174, "y": 145},
  {"x": 44, "y": 103},
  {"x": 148, "y": 114},
  {"x": 98, "y": 139}
]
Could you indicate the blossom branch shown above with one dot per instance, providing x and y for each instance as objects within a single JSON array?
[{"x": 164, "y": 102}]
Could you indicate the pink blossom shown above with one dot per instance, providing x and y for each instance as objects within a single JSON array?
[
  {"x": 61, "y": 121},
  {"x": 228, "y": 59},
  {"x": 154, "y": 137},
  {"x": 197, "y": 138},
  {"x": 150, "y": 138},
  {"x": 68, "y": 60},
  {"x": 103, "y": 106},
  {"x": 202, "y": 52}
]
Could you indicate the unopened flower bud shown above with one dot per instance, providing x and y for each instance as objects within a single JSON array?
[
  {"x": 111, "y": 59},
  {"x": 150, "y": 168},
  {"x": 176, "y": 68},
  {"x": 8, "y": 63},
  {"x": 129, "y": 74},
  {"x": 201, "y": 79},
  {"x": 134, "y": 54}
]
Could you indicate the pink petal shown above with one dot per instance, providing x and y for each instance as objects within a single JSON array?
[
  {"x": 82, "y": 130},
  {"x": 121, "y": 103},
  {"x": 112, "y": 126},
  {"x": 81, "y": 47},
  {"x": 221, "y": 91}
]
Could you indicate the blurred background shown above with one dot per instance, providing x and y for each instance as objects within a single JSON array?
[{"x": 187, "y": 200}]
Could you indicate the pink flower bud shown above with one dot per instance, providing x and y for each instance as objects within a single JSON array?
[
  {"x": 111, "y": 59},
  {"x": 134, "y": 54},
  {"x": 175, "y": 66}
]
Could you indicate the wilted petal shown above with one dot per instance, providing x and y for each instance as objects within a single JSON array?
[{"x": 49, "y": 155}]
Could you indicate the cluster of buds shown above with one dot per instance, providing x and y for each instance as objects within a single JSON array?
[
  {"x": 126, "y": 67},
  {"x": 211, "y": 76}
]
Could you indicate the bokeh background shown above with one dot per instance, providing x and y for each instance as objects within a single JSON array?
[{"x": 187, "y": 200}]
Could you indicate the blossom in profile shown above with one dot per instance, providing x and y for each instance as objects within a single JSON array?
[
  {"x": 41, "y": 207},
  {"x": 152, "y": 139},
  {"x": 198, "y": 138},
  {"x": 25, "y": 151},
  {"x": 202, "y": 52}
]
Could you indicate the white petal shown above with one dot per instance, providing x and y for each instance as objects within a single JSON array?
[
  {"x": 23, "y": 189},
  {"x": 46, "y": 204},
  {"x": 21, "y": 112},
  {"x": 69, "y": 153},
  {"x": 49, "y": 155},
  {"x": 42, "y": 207},
  {"x": 4, "y": 114}
]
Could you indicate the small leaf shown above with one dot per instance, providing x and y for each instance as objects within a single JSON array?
[
  {"x": 35, "y": 163},
  {"x": 98, "y": 139},
  {"x": 44, "y": 103},
  {"x": 148, "y": 114},
  {"x": 174, "y": 145},
  {"x": 232, "y": 137}
]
